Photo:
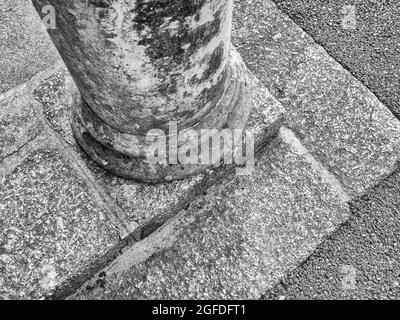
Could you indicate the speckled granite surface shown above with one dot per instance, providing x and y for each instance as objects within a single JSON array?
[
  {"x": 368, "y": 47},
  {"x": 25, "y": 48},
  {"x": 18, "y": 122},
  {"x": 52, "y": 230}
]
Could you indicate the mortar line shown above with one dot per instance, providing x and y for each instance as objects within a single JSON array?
[
  {"x": 161, "y": 239},
  {"x": 115, "y": 214}
]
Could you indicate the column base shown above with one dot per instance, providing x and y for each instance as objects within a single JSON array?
[{"x": 127, "y": 155}]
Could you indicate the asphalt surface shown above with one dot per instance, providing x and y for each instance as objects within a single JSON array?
[
  {"x": 362, "y": 259},
  {"x": 370, "y": 51}
]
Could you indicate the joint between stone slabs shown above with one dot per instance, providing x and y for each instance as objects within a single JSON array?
[
  {"x": 169, "y": 230},
  {"x": 331, "y": 57},
  {"x": 49, "y": 139},
  {"x": 115, "y": 215},
  {"x": 342, "y": 65},
  {"x": 271, "y": 126},
  {"x": 33, "y": 82},
  {"x": 20, "y": 149},
  {"x": 165, "y": 236}
]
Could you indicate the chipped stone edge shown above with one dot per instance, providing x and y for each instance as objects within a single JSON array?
[{"x": 327, "y": 177}]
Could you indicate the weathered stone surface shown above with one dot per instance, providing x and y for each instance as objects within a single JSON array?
[
  {"x": 18, "y": 121},
  {"x": 25, "y": 47},
  {"x": 52, "y": 231},
  {"x": 242, "y": 236},
  {"x": 337, "y": 118},
  {"x": 146, "y": 206}
]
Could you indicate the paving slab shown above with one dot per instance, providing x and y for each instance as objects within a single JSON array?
[
  {"x": 343, "y": 124},
  {"x": 360, "y": 261},
  {"x": 240, "y": 238},
  {"x": 25, "y": 47},
  {"x": 51, "y": 228},
  {"x": 367, "y": 44}
]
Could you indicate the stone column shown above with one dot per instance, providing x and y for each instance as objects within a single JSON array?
[{"x": 144, "y": 67}]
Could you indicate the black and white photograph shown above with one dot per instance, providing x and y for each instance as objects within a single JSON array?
[{"x": 199, "y": 157}]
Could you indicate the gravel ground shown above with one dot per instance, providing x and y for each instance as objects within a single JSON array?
[{"x": 370, "y": 51}]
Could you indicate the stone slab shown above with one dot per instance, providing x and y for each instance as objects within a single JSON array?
[
  {"x": 366, "y": 44},
  {"x": 52, "y": 232},
  {"x": 25, "y": 47},
  {"x": 240, "y": 238},
  {"x": 342, "y": 123}
]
